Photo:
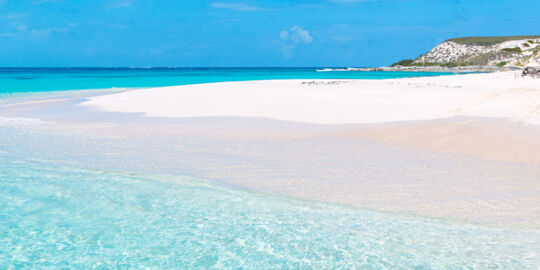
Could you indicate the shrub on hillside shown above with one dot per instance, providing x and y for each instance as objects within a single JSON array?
[
  {"x": 405, "y": 62},
  {"x": 512, "y": 50}
]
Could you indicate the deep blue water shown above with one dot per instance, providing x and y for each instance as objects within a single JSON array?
[{"x": 23, "y": 80}]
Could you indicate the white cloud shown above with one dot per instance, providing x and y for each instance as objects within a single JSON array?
[
  {"x": 236, "y": 6},
  {"x": 292, "y": 38},
  {"x": 296, "y": 35}
]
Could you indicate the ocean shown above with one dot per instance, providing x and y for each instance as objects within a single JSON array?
[{"x": 27, "y": 80}]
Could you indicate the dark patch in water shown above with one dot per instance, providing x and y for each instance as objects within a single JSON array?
[{"x": 24, "y": 78}]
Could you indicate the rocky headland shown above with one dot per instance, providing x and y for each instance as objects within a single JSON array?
[{"x": 476, "y": 54}]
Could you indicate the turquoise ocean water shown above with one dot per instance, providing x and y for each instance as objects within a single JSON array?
[
  {"x": 24, "y": 80},
  {"x": 56, "y": 215}
]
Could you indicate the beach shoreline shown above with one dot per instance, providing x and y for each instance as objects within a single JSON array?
[{"x": 479, "y": 164}]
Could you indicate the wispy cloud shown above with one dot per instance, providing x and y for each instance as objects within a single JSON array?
[
  {"x": 46, "y": 31},
  {"x": 13, "y": 16},
  {"x": 24, "y": 31},
  {"x": 292, "y": 38},
  {"x": 236, "y": 6}
]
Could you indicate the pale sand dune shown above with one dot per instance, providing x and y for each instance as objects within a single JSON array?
[{"x": 500, "y": 95}]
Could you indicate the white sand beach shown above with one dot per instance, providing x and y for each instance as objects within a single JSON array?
[{"x": 500, "y": 95}]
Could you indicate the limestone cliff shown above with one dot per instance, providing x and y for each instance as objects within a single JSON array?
[{"x": 511, "y": 51}]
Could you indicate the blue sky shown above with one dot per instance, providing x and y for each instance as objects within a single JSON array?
[{"x": 246, "y": 33}]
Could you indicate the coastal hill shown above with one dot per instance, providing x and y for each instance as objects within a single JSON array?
[{"x": 490, "y": 52}]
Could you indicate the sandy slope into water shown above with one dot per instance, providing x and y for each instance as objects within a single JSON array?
[
  {"x": 418, "y": 145},
  {"x": 475, "y": 118}
]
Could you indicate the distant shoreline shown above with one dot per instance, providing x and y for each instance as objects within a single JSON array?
[{"x": 439, "y": 69}]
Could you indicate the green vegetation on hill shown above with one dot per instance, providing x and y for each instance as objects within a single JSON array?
[
  {"x": 410, "y": 63},
  {"x": 488, "y": 41},
  {"x": 512, "y": 50},
  {"x": 404, "y": 62}
]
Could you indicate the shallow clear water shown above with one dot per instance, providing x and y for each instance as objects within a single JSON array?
[
  {"x": 55, "y": 216},
  {"x": 24, "y": 80},
  {"x": 59, "y": 207}
]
